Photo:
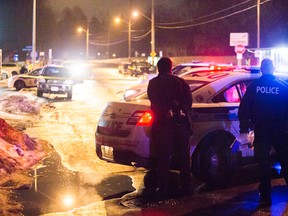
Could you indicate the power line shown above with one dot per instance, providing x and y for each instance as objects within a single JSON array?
[
  {"x": 105, "y": 43},
  {"x": 138, "y": 38},
  {"x": 210, "y": 21},
  {"x": 212, "y": 14}
]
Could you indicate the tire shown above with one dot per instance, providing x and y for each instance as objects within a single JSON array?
[
  {"x": 39, "y": 93},
  {"x": 19, "y": 85},
  {"x": 69, "y": 95},
  {"x": 212, "y": 160}
]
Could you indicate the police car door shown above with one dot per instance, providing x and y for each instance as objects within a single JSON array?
[{"x": 230, "y": 98}]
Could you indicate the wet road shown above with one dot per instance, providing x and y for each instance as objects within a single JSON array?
[{"x": 58, "y": 189}]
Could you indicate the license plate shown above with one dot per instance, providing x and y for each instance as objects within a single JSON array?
[
  {"x": 54, "y": 88},
  {"x": 107, "y": 152}
]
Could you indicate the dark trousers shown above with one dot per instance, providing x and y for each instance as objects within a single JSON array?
[
  {"x": 168, "y": 138},
  {"x": 262, "y": 148}
]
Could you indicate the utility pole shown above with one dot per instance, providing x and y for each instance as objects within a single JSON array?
[
  {"x": 129, "y": 31},
  {"x": 258, "y": 24},
  {"x": 33, "y": 54},
  {"x": 87, "y": 41},
  {"x": 153, "y": 53}
]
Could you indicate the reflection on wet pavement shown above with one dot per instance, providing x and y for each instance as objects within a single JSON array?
[{"x": 57, "y": 189}]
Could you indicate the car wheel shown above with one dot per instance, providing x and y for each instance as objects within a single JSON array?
[
  {"x": 4, "y": 76},
  {"x": 14, "y": 73},
  {"x": 39, "y": 93},
  {"x": 212, "y": 160},
  {"x": 69, "y": 95},
  {"x": 19, "y": 85}
]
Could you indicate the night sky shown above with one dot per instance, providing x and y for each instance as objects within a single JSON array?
[{"x": 94, "y": 7}]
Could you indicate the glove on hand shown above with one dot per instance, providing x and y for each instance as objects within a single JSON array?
[{"x": 246, "y": 138}]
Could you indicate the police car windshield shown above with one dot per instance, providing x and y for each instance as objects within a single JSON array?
[
  {"x": 56, "y": 72},
  {"x": 141, "y": 93},
  {"x": 181, "y": 69}
]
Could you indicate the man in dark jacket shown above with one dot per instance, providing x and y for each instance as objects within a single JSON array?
[
  {"x": 264, "y": 108},
  {"x": 171, "y": 102}
]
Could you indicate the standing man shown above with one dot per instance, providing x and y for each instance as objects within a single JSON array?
[
  {"x": 171, "y": 102},
  {"x": 264, "y": 108}
]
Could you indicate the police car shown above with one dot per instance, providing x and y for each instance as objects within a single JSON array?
[
  {"x": 24, "y": 80},
  {"x": 123, "y": 134}
]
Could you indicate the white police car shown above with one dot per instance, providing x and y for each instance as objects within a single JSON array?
[
  {"x": 123, "y": 134},
  {"x": 24, "y": 80}
]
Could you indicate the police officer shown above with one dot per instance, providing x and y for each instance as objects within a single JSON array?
[
  {"x": 264, "y": 109},
  {"x": 171, "y": 102}
]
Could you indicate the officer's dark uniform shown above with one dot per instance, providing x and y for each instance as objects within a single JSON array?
[
  {"x": 171, "y": 103},
  {"x": 264, "y": 108}
]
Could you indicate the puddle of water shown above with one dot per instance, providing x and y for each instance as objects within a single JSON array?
[{"x": 57, "y": 189}]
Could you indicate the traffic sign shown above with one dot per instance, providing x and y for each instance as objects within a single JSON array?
[
  {"x": 239, "y": 49},
  {"x": 153, "y": 54},
  {"x": 239, "y": 38}
]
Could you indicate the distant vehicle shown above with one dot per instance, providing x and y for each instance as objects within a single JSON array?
[
  {"x": 55, "y": 80},
  {"x": 9, "y": 70},
  {"x": 123, "y": 134},
  {"x": 140, "y": 67},
  {"x": 24, "y": 80},
  {"x": 123, "y": 67}
]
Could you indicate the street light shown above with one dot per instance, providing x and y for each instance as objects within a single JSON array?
[
  {"x": 258, "y": 24},
  {"x": 34, "y": 35},
  {"x": 152, "y": 20},
  {"x": 80, "y": 29},
  {"x": 118, "y": 20}
]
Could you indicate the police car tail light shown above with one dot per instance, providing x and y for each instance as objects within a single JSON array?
[{"x": 141, "y": 118}]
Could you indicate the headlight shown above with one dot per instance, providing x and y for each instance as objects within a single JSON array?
[
  {"x": 68, "y": 82},
  {"x": 41, "y": 80}
]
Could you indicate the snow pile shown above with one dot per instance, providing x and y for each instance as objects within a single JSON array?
[
  {"x": 18, "y": 151},
  {"x": 21, "y": 103}
]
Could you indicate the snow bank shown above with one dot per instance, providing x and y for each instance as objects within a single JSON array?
[
  {"x": 20, "y": 103},
  {"x": 18, "y": 151}
]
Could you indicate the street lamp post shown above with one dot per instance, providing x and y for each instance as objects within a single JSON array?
[
  {"x": 118, "y": 20},
  {"x": 258, "y": 24},
  {"x": 129, "y": 38},
  {"x": 34, "y": 35},
  {"x": 152, "y": 20},
  {"x": 153, "y": 53},
  {"x": 80, "y": 29}
]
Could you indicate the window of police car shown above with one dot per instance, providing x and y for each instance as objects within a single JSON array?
[
  {"x": 232, "y": 93},
  {"x": 142, "y": 93}
]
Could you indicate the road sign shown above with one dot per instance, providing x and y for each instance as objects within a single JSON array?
[
  {"x": 239, "y": 38},
  {"x": 153, "y": 54},
  {"x": 239, "y": 49}
]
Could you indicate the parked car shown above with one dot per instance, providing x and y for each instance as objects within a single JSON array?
[
  {"x": 137, "y": 68},
  {"x": 24, "y": 80},
  {"x": 123, "y": 134},
  {"x": 123, "y": 67},
  {"x": 55, "y": 80},
  {"x": 9, "y": 70}
]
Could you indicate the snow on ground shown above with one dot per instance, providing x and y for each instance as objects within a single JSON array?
[{"x": 18, "y": 151}]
